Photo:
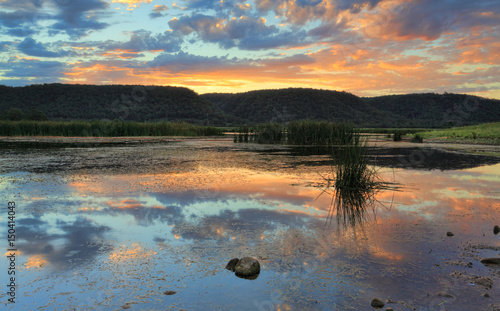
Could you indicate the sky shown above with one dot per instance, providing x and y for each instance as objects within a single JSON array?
[{"x": 366, "y": 47}]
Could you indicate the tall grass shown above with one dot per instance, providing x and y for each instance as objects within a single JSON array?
[
  {"x": 298, "y": 133},
  {"x": 319, "y": 133},
  {"x": 103, "y": 129},
  {"x": 355, "y": 183},
  {"x": 485, "y": 131}
]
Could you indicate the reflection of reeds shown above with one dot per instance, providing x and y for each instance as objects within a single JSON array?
[{"x": 355, "y": 183}]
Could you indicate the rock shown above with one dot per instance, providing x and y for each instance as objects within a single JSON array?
[
  {"x": 486, "y": 295},
  {"x": 377, "y": 303},
  {"x": 444, "y": 294},
  {"x": 251, "y": 277},
  {"x": 247, "y": 266},
  {"x": 491, "y": 261},
  {"x": 169, "y": 292},
  {"x": 484, "y": 282},
  {"x": 389, "y": 309},
  {"x": 232, "y": 263},
  {"x": 496, "y": 229},
  {"x": 449, "y": 233}
]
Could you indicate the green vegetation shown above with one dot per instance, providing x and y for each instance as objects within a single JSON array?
[
  {"x": 487, "y": 132},
  {"x": 162, "y": 103},
  {"x": 298, "y": 133},
  {"x": 319, "y": 133},
  {"x": 397, "y": 136},
  {"x": 417, "y": 138},
  {"x": 67, "y": 102},
  {"x": 103, "y": 129},
  {"x": 355, "y": 183}
]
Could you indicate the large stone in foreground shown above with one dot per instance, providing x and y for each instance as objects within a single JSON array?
[
  {"x": 377, "y": 303},
  {"x": 247, "y": 266},
  {"x": 232, "y": 263},
  {"x": 491, "y": 261}
]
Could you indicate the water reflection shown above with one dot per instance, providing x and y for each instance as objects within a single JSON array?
[
  {"x": 404, "y": 157},
  {"x": 101, "y": 239}
]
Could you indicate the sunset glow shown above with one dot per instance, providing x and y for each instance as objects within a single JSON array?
[{"x": 367, "y": 47}]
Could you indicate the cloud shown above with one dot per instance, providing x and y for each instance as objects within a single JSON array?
[
  {"x": 429, "y": 19},
  {"x": 142, "y": 40},
  {"x": 184, "y": 62},
  {"x": 247, "y": 33},
  {"x": 20, "y": 17},
  {"x": 29, "y": 70},
  {"x": 77, "y": 18},
  {"x": 157, "y": 11},
  {"x": 131, "y": 4},
  {"x": 31, "y": 47}
]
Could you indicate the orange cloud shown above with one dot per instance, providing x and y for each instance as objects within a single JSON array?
[{"x": 132, "y": 4}]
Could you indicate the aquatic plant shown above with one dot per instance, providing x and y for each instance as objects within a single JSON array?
[
  {"x": 417, "y": 138},
  {"x": 269, "y": 133},
  {"x": 299, "y": 133},
  {"x": 318, "y": 133},
  {"x": 355, "y": 183},
  {"x": 104, "y": 128}
]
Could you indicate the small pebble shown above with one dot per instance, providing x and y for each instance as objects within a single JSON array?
[
  {"x": 449, "y": 233},
  {"x": 496, "y": 229},
  {"x": 486, "y": 295},
  {"x": 170, "y": 292}
]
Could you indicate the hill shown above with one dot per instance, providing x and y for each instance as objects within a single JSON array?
[
  {"x": 292, "y": 104},
  {"x": 124, "y": 102},
  {"x": 157, "y": 103},
  {"x": 439, "y": 110}
]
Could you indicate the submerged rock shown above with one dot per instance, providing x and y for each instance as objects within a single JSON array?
[
  {"x": 232, "y": 263},
  {"x": 377, "y": 303},
  {"x": 484, "y": 282},
  {"x": 491, "y": 261},
  {"x": 444, "y": 294},
  {"x": 169, "y": 292},
  {"x": 449, "y": 233},
  {"x": 247, "y": 266},
  {"x": 496, "y": 229}
]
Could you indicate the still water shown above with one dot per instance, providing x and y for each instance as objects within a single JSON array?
[{"x": 152, "y": 226}]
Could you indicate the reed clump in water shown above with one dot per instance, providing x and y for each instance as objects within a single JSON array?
[
  {"x": 355, "y": 183},
  {"x": 318, "y": 133},
  {"x": 304, "y": 132}
]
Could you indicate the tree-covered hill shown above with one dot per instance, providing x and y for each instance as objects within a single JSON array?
[
  {"x": 439, "y": 110},
  {"x": 124, "y": 102},
  {"x": 292, "y": 104},
  {"x": 159, "y": 103}
]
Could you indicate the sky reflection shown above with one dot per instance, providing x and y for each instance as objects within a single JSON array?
[{"x": 143, "y": 234}]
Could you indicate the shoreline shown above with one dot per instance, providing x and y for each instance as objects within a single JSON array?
[{"x": 452, "y": 146}]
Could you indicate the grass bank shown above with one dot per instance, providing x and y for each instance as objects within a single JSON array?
[
  {"x": 488, "y": 133},
  {"x": 104, "y": 129}
]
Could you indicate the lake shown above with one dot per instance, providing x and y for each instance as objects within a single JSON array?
[{"x": 152, "y": 226}]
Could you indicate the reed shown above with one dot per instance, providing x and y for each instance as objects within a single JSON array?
[
  {"x": 269, "y": 133},
  {"x": 355, "y": 183},
  {"x": 318, "y": 133},
  {"x": 103, "y": 129}
]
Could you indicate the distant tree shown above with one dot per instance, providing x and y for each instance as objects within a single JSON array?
[
  {"x": 36, "y": 115},
  {"x": 13, "y": 114}
]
